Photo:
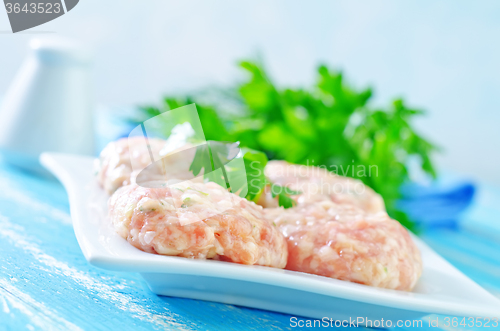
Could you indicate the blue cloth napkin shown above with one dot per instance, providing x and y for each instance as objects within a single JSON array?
[{"x": 438, "y": 204}]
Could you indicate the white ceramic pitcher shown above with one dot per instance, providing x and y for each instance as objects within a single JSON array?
[{"x": 48, "y": 107}]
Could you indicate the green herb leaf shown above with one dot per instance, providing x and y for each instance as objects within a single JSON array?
[
  {"x": 255, "y": 162},
  {"x": 282, "y": 190},
  {"x": 285, "y": 201},
  {"x": 330, "y": 124}
]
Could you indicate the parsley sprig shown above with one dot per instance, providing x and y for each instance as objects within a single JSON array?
[{"x": 330, "y": 124}]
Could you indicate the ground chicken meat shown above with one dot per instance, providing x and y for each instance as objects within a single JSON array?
[
  {"x": 121, "y": 161},
  {"x": 196, "y": 220},
  {"x": 343, "y": 242},
  {"x": 316, "y": 184}
]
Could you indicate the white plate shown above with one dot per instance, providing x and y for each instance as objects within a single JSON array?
[{"x": 442, "y": 289}]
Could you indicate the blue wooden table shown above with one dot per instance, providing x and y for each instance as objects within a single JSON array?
[{"x": 46, "y": 283}]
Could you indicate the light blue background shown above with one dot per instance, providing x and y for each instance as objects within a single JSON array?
[{"x": 442, "y": 56}]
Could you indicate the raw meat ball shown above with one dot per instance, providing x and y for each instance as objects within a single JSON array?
[
  {"x": 196, "y": 220},
  {"x": 121, "y": 161},
  {"x": 317, "y": 184},
  {"x": 343, "y": 242}
]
